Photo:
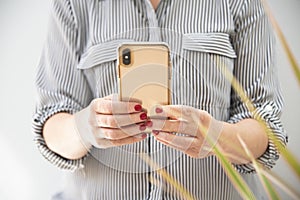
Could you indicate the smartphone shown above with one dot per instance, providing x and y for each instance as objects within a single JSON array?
[{"x": 144, "y": 73}]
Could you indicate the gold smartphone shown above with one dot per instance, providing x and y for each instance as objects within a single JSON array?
[{"x": 144, "y": 73}]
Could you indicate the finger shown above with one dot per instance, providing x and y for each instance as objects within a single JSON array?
[
  {"x": 182, "y": 143},
  {"x": 188, "y": 151},
  {"x": 171, "y": 145},
  {"x": 173, "y": 111},
  {"x": 116, "y": 97},
  {"x": 117, "y": 134},
  {"x": 169, "y": 125},
  {"x": 103, "y": 106},
  {"x": 117, "y": 121},
  {"x": 179, "y": 126},
  {"x": 129, "y": 140},
  {"x": 110, "y": 97},
  {"x": 106, "y": 143}
]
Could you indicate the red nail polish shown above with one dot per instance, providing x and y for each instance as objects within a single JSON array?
[
  {"x": 158, "y": 110},
  {"x": 143, "y": 116},
  {"x": 137, "y": 107},
  {"x": 144, "y": 135},
  {"x": 155, "y": 132},
  {"x": 142, "y": 127},
  {"x": 149, "y": 123}
]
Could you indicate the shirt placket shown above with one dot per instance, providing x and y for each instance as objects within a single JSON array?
[
  {"x": 153, "y": 25},
  {"x": 155, "y": 35}
]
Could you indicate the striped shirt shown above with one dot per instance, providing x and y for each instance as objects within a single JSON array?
[{"x": 78, "y": 64}]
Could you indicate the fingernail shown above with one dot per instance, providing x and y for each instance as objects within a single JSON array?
[
  {"x": 137, "y": 107},
  {"x": 155, "y": 132},
  {"x": 143, "y": 127},
  {"x": 143, "y": 116},
  {"x": 149, "y": 123},
  {"x": 141, "y": 136},
  {"x": 158, "y": 110}
]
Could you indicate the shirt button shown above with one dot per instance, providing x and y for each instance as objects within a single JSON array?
[{"x": 269, "y": 108}]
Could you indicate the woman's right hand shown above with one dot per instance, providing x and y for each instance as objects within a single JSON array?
[{"x": 108, "y": 122}]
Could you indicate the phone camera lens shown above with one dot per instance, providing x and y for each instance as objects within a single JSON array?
[{"x": 126, "y": 57}]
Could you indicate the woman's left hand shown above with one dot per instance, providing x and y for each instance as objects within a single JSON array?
[{"x": 191, "y": 123}]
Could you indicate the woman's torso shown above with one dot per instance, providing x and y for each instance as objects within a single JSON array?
[{"x": 198, "y": 33}]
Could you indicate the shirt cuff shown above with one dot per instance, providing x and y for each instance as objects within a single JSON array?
[
  {"x": 269, "y": 112},
  {"x": 39, "y": 120}
]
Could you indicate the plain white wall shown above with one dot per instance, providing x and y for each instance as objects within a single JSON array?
[
  {"x": 24, "y": 174},
  {"x": 288, "y": 16}
]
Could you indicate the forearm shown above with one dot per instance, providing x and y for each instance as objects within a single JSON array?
[
  {"x": 61, "y": 137},
  {"x": 253, "y": 135}
]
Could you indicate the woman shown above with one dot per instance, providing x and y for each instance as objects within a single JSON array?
[{"x": 80, "y": 126}]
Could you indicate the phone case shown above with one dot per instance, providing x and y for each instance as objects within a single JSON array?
[{"x": 148, "y": 76}]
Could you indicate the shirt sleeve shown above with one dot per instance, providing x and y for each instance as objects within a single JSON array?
[
  {"x": 256, "y": 71},
  {"x": 60, "y": 86}
]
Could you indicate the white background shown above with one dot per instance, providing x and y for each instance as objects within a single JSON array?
[{"x": 24, "y": 174}]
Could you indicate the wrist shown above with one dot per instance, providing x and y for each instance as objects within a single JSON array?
[
  {"x": 212, "y": 136},
  {"x": 82, "y": 146},
  {"x": 61, "y": 138},
  {"x": 230, "y": 146}
]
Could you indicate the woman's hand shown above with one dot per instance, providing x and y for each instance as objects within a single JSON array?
[
  {"x": 198, "y": 130},
  {"x": 108, "y": 122}
]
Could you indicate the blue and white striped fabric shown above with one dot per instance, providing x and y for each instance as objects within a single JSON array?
[{"x": 78, "y": 64}]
